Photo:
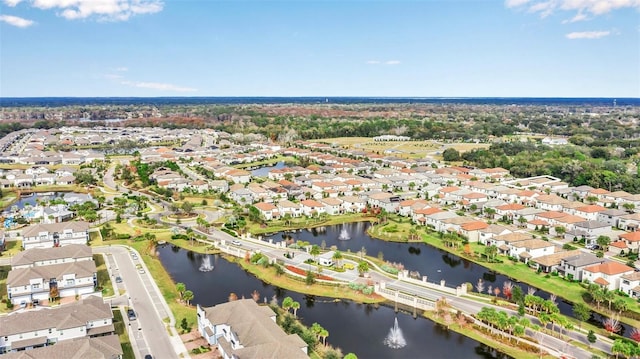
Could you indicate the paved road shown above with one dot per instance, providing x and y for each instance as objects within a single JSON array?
[{"x": 149, "y": 329}]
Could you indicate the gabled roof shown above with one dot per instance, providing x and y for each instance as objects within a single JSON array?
[
  {"x": 631, "y": 236},
  {"x": 62, "y": 317},
  {"x": 45, "y": 254},
  {"x": 609, "y": 268}
]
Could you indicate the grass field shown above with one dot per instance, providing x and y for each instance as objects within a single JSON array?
[
  {"x": 104, "y": 281},
  {"x": 4, "y": 272},
  {"x": 405, "y": 149},
  {"x": 121, "y": 331},
  {"x": 11, "y": 248}
]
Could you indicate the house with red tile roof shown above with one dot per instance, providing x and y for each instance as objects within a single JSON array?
[
  {"x": 631, "y": 241},
  {"x": 267, "y": 210},
  {"x": 607, "y": 275},
  {"x": 471, "y": 230}
]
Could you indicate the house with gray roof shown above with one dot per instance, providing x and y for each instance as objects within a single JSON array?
[
  {"x": 105, "y": 347},
  {"x": 242, "y": 329},
  {"x": 611, "y": 216},
  {"x": 40, "y": 283},
  {"x": 89, "y": 317},
  {"x": 48, "y": 256},
  {"x": 573, "y": 265},
  {"x": 47, "y": 235}
]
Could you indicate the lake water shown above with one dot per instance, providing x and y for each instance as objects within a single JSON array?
[
  {"x": 435, "y": 263},
  {"x": 264, "y": 171},
  {"x": 31, "y": 200},
  {"x": 353, "y": 327}
]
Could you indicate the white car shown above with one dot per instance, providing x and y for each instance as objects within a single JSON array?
[{"x": 236, "y": 242}]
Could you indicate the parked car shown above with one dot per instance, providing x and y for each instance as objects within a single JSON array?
[
  {"x": 118, "y": 280},
  {"x": 141, "y": 270},
  {"x": 131, "y": 314}
]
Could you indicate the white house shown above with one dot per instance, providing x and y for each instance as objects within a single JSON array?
[
  {"x": 267, "y": 210},
  {"x": 55, "y": 234},
  {"x": 312, "y": 207},
  {"x": 49, "y": 256},
  {"x": 607, "y": 275},
  {"x": 630, "y": 284},
  {"x": 103, "y": 347},
  {"x": 242, "y": 328},
  {"x": 530, "y": 248},
  {"x": 89, "y": 317},
  {"x": 39, "y": 283}
]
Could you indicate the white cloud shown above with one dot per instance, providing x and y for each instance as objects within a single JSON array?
[
  {"x": 515, "y": 3},
  {"x": 12, "y": 3},
  {"x": 104, "y": 10},
  {"x": 392, "y": 62},
  {"x": 158, "y": 86},
  {"x": 587, "y": 35},
  {"x": 121, "y": 69},
  {"x": 579, "y": 17},
  {"x": 582, "y": 7},
  {"x": 16, "y": 21}
]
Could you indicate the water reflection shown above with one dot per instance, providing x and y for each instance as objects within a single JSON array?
[
  {"x": 436, "y": 264},
  {"x": 353, "y": 327}
]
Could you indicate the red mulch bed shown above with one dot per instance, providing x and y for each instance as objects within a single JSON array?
[{"x": 304, "y": 273}]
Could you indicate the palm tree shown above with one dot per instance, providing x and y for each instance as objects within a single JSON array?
[
  {"x": 315, "y": 251},
  {"x": 286, "y": 303},
  {"x": 337, "y": 257},
  {"x": 180, "y": 287},
  {"x": 295, "y": 306},
  {"x": 188, "y": 296}
]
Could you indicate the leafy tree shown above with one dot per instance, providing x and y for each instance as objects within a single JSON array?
[
  {"x": 363, "y": 267},
  {"x": 337, "y": 257},
  {"x": 582, "y": 312},
  {"x": 187, "y": 207},
  {"x": 603, "y": 242},
  {"x": 451, "y": 154},
  {"x": 350, "y": 356},
  {"x": 491, "y": 252},
  {"x": 310, "y": 278}
]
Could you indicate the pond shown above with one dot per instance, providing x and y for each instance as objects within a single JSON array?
[
  {"x": 264, "y": 171},
  {"x": 353, "y": 327},
  {"x": 435, "y": 263},
  {"x": 34, "y": 198}
]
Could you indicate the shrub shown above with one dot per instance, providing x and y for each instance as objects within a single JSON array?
[{"x": 123, "y": 236}]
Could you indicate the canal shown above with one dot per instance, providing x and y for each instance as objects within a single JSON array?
[
  {"x": 352, "y": 327},
  {"x": 435, "y": 263}
]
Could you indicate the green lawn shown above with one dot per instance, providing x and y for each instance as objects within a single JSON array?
[
  {"x": 4, "y": 272},
  {"x": 295, "y": 223},
  {"x": 11, "y": 248},
  {"x": 121, "y": 331},
  {"x": 104, "y": 281}
]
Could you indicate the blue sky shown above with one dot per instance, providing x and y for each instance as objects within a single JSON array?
[{"x": 513, "y": 48}]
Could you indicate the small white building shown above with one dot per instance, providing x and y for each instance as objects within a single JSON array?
[{"x": 326, "y": 259}]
